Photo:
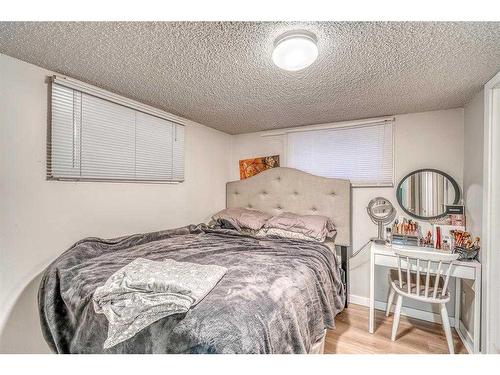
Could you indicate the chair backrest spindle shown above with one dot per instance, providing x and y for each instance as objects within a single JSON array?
[
  {"x": 408, "y": 267},
  {"x": 427, "y": 278},
  {"x": 418, "y": 277},
  {"x": 399, "y": 271},
  {"x": 446, "y": 280},
  {"x": 436, "y": 280},
  {"x": 414, "y": 258}
]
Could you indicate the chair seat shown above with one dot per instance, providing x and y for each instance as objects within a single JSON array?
[{"x": 394, "y": 279}]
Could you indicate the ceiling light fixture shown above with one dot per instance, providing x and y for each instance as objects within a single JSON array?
[{"x": 295, "y": 50}]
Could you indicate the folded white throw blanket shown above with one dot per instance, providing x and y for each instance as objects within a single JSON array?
[{"x": 145, "y": 291}]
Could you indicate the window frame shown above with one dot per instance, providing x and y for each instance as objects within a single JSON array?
[{"x": 84, "y": 88}]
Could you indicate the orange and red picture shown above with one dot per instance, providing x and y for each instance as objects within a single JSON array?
[{"x": 250, "y": 167}]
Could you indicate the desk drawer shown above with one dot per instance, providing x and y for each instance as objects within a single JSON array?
[{"x": 462, "y": 271}]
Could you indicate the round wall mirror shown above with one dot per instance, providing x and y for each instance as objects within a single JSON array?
[{"x": 425, "y": 193}]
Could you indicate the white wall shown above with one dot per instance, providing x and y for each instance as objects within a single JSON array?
[
  {"x": 473, "y": 189},
  {"x": 430, "y": 139},
  {"x": 473, "y": 162},
  {"x": 39, "y": 219}
]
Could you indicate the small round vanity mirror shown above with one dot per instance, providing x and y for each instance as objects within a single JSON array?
[
  {"x": 382, "y": 212},
  {"x": 425, "y": 193}
]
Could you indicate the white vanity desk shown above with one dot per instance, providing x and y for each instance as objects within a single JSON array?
[{"x": 382, "y": 255}]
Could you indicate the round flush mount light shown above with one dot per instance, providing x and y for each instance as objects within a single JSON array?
[{"x": 295, "y": 50}]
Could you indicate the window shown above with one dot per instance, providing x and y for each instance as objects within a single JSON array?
[
  {"x": 98, "y": 138},
  {"x": 361, "y": 153}
]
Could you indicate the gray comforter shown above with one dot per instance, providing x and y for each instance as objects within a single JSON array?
[{"x": 277, "y": 296}]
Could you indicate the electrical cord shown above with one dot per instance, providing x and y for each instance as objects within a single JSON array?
[{"x": 359, "y": 250}]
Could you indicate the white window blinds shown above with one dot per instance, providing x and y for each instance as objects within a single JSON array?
[
  {"x": 98, "y": 139},
  {"x": 362, "y": 153}
]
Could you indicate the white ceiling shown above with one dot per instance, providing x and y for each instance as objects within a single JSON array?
[{"x": 221, "y": 74}]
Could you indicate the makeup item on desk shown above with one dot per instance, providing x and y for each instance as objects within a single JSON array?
[
  {"x": 403, "y": 239},
  {"x": 457, "y": 220},
  {"x": 405, "y": 232},
  {"x": 388, "y": 234},
  {"x": 445, "y": 220},
  {"x": 464, "y": 239},
  {"x": 427, "y": 240},
  {"x": 454, "y": 209},
  {"x": 405, "y": 227},
  {"x": 446, "y": 243},
  {"x": 464, "y": 244},
  {"x": 438, "y": 238},
  {"x": 455, "y": 215}
]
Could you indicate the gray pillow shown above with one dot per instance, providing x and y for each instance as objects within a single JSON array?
[
  {"x": 241, "y": 218},
  {"x": 314, "y": 226}
]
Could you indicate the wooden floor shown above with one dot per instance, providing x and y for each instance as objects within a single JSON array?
[{"x": 414, "y": 336}]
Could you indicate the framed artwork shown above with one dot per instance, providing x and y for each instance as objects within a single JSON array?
[{"x": 250, "y": 167}]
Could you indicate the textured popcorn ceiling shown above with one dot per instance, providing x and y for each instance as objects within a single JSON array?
[{"x": 221, "y": 74}]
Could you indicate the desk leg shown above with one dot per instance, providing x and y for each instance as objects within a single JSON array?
[
  {"x": 458, "y": 298},
  {"x": 371, "y": 322},
  {"x": 477, "y": 312}
]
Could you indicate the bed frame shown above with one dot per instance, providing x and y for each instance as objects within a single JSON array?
[{"x": 282, "y": 189}]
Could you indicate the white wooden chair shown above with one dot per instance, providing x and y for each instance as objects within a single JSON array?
[{"x": 413, "y": 279}]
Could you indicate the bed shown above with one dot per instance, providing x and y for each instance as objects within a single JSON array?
[{"x": 278, "y": 295}]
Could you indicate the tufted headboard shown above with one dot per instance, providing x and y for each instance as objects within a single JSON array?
[{"x": 281, "y": 189}]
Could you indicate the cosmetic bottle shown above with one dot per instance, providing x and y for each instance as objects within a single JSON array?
[
  {"x": 438, "y": 238},
  {"x": 388, "y": 235}
]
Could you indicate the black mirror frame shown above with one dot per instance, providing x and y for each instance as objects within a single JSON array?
[{"x": 399, "y": 192}]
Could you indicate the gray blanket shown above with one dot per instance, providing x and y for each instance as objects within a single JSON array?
[
  {"x": 277, "y": 296},
  {"x": 146, "y": 290}
]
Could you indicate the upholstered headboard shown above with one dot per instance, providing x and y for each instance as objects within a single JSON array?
[{"x": 279, "y": 190}]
